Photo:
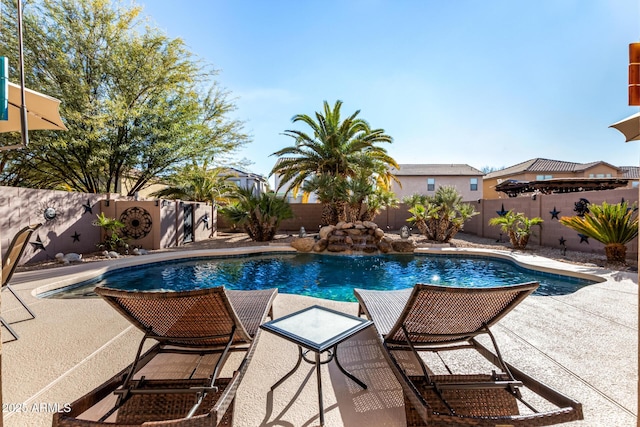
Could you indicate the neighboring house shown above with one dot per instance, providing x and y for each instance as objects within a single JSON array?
[
  {"x": 545, "y": 169},
  {"x": 426, "y": 178},
  {"x": 247, "y": 180},
  {"x": 632, "y": 173},
  {"x": 283, "y": 188}
]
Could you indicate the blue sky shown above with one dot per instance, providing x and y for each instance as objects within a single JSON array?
[{"x": 486, "y": 83}]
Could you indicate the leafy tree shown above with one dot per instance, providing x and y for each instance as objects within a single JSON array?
[
  {"x": 132, "y": 98},
  {"x": 259, "y": 215},
  {"x": 441, "y": 216},
  {"x": 612, "y": 225},
  {"x": 517, "y": 226},
  {"x": 335, "y": 148}
]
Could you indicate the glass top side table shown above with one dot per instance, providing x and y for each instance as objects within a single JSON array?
[{"x": 317, "y": 329}]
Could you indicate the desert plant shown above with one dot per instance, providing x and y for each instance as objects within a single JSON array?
[
  {"x": 111, "y": 227},
  {"x": 517, "y": 226},
  {"x": 259, "y": 215},
  {"x": 441, "y": 216},
  {"x": 612, "y": 225}
]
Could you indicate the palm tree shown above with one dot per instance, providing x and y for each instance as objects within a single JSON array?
[
  {"x": 517, "y": 226},
  {"x": 335, "y": 147},
  {"x": 259, "y": 214},
  {"x": 198, "y": 184},
  {"x": 612, "y": 225}
]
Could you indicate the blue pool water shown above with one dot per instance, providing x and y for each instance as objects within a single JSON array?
[{"x": 327, "y": 276}]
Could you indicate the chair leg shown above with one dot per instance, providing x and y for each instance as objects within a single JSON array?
[
  {"x": 9, "y": 328},
  {"x": 33, "y": 316}
]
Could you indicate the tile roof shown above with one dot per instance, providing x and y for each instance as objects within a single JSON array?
[
  {"x": 436, "y": 169},
  {"x": 545, "y": 165},
  {"x": 630, "y": 172}
]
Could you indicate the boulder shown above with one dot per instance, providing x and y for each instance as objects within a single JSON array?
[
  {"x": 384, "y": 246},
  {"x": 325, "y": 231},
  {"x": 404, "y": 246},
  {"x": 303, "y": 244},
  {"x": 320, "y": 245},
  {"x": 370, "y": 224}
]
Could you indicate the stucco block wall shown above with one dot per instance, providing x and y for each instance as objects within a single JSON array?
[
  {"x": 552, "y": 231},
  {"x": 72, "y": 230}
]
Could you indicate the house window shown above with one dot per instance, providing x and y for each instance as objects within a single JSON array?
[
  {"x": 431, "y": 184},
  {"x": 473, "y": 184},
  {"x": 634, "y": 184},
  {"x": 543, "y": 177}
]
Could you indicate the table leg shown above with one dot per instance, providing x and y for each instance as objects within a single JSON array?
[
  {"x": 281, "y": 380},
  {"x": 319, "y": 389},
  {"x": 356, "y": 380}
]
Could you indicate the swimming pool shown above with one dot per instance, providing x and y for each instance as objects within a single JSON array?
[{"x": 325, "y": 276}]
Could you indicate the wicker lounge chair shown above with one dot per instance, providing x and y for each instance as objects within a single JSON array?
[
  {"x": 427, "y": 332},
  {"x": 201, "y": 322},
  {"x": 10, "y": 263}
]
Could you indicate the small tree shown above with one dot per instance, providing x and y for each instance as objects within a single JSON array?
[
  {"x": 612, "y": 225},
  {"x": 111, "y": 226},
  {"x": 517, "y": 226},
  {"x": 260, "y": 215},
  {"x": 440, "y": 217}
]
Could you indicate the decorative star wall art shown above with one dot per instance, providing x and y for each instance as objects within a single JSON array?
[
  {"x": 87, "y": 207},
  {"x": 502, "y": 212},
  {"x": 76, "y": 237},
  {"x": 583, "y": 238},
  {"x": 37, "y": 245},
  {"x": 562, "y": 241},
  {"x": 554, "y": 213}
]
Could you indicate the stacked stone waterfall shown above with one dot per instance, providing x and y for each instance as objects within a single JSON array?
[{"x": 351, "y": 237}]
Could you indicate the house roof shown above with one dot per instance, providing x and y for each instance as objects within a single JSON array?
[
  {"x": 546, "y": 165},
  {"x": 436, "y": 169},
  {"x": 630, "y": 172}
]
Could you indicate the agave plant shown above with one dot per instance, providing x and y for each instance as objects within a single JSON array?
[
  {"x": 517, "y": 226},
  {"x": 612, "y": 225}
]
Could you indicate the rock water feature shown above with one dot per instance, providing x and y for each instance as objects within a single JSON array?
[{"x": 352, "y": 237}]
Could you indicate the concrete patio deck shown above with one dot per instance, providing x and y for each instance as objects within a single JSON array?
[{"x": 583, "y": 344}]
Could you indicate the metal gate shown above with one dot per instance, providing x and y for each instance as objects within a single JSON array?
[{"x": 188, "y": 223}]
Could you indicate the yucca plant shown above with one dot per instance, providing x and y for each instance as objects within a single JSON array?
[
  {"x": 613, "y": 225},
  {"x": 517, "y": 226}
]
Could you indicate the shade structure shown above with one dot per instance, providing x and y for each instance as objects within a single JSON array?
[
  {"x": 42, "y": 111},
  {"x": 630, "y": 127}
]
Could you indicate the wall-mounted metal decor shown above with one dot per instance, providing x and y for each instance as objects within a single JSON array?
[
  {"x": 37, "y": 244},
  {"x": 581, "y": 207},
  {"x": 502, "y": 212},
  {"x": 562, "y": 241},
  {"x": 49, "y": 211},
  {"x": 554, "y": 213},
  {"x": 137, "y": 222},
  {"x": 583, "y": 238},
  {"x": 87, "y": 207},
  {"x": 76, "y": 237}
]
